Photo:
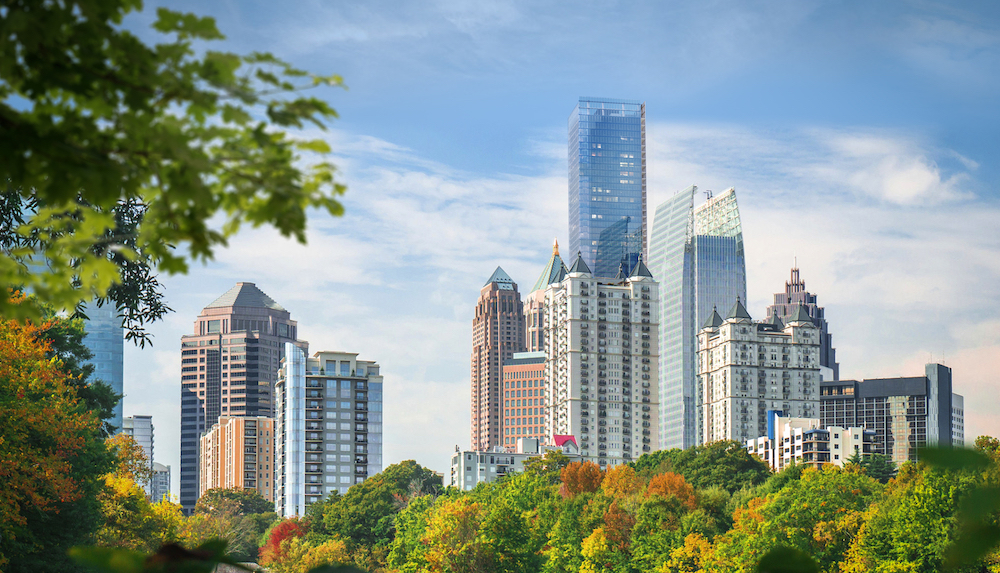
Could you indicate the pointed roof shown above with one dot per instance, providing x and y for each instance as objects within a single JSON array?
[
  {"x": 503, "y": 280},
  {"x": 580, "y": 266},
  {"x": 248, "y": 295},
  {"x": 738, "y": 311},
  {"x": 554, "y": 272},
  {"x": 640, "y": 269},
  {"x": 800, "y": 315},
  {"x": 621, "y": 272},
  {"x": 714, "y": 320},
  {"x": 776, "y": 321}
]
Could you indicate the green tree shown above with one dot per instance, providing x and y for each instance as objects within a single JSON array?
[
  {"x": 237, "y": 500},
  {"x": 725, "y": 464},
  {"x": 92, "y": 119},
  {"x": 365, "y": 515}
]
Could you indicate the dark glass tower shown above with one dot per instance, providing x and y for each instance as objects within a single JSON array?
[
  {"x": 696, "y": 254},
  {"x": 607, "y": 182},
  {"x": 228, "y": 368},
  {"x": 796, "y": 295}
]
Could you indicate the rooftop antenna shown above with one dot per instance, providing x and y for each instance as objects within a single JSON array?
[{"x": 708, "y": 194}]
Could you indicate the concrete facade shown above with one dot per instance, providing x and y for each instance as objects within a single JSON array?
[
  {"x": 804, "y": 441},
  {"x": 238, "y": 452},
  {"x": 471, "y": 468},
  {"x": 523, "y": 398}
]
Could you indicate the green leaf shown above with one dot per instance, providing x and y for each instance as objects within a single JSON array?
[
  {"x": 784, "y": 559},
  {"x": 109, "y": 559},
  {"x": 955, "y": 458},
  {"x": 973, "y": 543}
]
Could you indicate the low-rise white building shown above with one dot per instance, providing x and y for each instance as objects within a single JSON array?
[
  {"x": 470, "y": 468},
  {"x": 803, "y": 441}
]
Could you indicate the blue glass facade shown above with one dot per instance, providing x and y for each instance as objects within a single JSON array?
[
  {"x": 697, "y": 256},
  {"x": 105, "y": 338},
  {"x": 607, "y": 180}
]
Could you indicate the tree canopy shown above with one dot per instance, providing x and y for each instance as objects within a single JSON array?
[{"x": 127, "y": 157}]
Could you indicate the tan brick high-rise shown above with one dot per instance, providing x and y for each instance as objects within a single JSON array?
[
  {"x": 497, "y": 333},
  {"x": 238, "y": 452}
]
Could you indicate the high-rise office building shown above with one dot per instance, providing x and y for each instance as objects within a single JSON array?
[
  {"x": 140, "y": 429},
  {"x": 607, "y": 183},
  {"x": 600, "y": 370},
  {"x": 328, "y": 426},
  {"x": 906, "y": 413},
  {"x": 523, "y": 398},
  {"x": 161, "y": 482},
  {"x": 497, "y": 333},
  {"x": 534, "y": 303},
  {"x": 696, "y": 254},
  {"x": 228, "y": 368},
  {"x": 747, "y": 369},
  {"x": 238, "y": 453},
  {"x": 105, "y": 338},
  {"x": 786, "y": 303},
  {"x": 957, "y": 420}
]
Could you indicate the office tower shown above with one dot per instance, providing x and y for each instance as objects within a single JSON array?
[
  {"x": 161, "y": 482},
  {"x": 786, "y": 303},
  {"x": 497, "y": 333},
  {"x": 696, "y": 254},
  {"x": 238, "y": 453},
  {"x": 601, "y": 367},
  {"x": 228, "y": 368},
  {"x": 905, "y": 413},
  {"x": 957, "y": 420},
  {"x": 747, "y": 368},
  {"x": 523, "y": 398},
  {"x": 328, "y": 426},
  {"x": 805, "y": 441},
  {"x": 105, "y": 338},
  {"x": 534, "y": 304},
  {"x": 607, "y": 183},
  {"x": 140, "y": 429}
]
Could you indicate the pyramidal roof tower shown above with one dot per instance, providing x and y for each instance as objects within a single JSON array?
[{"x": 554, "y": 271}]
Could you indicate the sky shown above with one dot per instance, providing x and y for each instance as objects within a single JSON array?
[{"x": 861, "y": 137}]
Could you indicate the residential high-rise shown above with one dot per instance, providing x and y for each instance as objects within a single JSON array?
[
  {"x": 748, "y": 368},
  {"x": 161, "y": 482},
  {"x": 228, "y": 368},
  {"x": 328, "y": 426},
  {"x": 786, "y": 303},
  {"x": 601, "y": 366},
  {"x": 607, "y": 183},
  {"x": 534, "y": 304},
  {"x": 805, "y": 441},
  {"x": 523, "y": 398},
  {"x": 105, "y": 338},
  {"x": 696, "y": 254},
  {"x": 140, "y": 428},
  {"x": 238, "y": 453},
  {"x": 906, "y": 413},
  {"x": 497, "y": 333}
]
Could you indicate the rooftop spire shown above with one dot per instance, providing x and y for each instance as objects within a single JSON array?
[{"x": 555, "y": 247}]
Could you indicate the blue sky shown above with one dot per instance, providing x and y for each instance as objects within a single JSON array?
[{"x": 861, "y": 138}]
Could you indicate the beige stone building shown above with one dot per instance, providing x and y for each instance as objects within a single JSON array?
[{"x": 238, "y": 452}]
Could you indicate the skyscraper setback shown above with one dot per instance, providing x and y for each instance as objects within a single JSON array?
[
  {"x": 696, "y": 254},
  {"x": 786, "y": 303},
  {"x": 607, "y": 183},
  {"x": 497, "y": 333},
  {"x": 228, "y": 368}
]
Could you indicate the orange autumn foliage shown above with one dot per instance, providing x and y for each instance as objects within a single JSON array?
[
  {"x": 580, "y": 477},
  {"x": 42, "y": 428},
  {"x": 669, "y": 483},
  {"x": 621, "y": 481},
  {"x": 618, "y": 525},
  {"x": 273, "y": 551}
]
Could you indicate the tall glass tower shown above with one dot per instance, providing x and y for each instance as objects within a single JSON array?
[
  {"x": 696, "y": 253},
  {"x": 105, "y": 338},
  {"x": 607, "y": 183}
]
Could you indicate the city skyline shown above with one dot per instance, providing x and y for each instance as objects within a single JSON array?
[{"x": 888, "y": 185}]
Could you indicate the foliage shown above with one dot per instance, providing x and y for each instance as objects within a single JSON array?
[
  {"x": 273, "y": 549},
  {"x": 669, "y": 483},
  {"x": 238, "y": 500},
  {"x": 52, "y": 454},
  {"x": 725, "y": 464},
  {"x": 196, "y": 139},
  {"x": 580, "y": 477}
]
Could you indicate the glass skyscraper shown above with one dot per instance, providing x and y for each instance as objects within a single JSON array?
[
  {"x": 607, "y": 183},
  {"x": 697, "y": 256},
  {"x": 105, "y": 338}
]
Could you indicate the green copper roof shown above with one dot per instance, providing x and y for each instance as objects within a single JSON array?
[
  {"x": 738, "y": 311},
  {"x": 714, "y": 320},
  {"x": 554, "y": 272},
  {"x": 800, "y": 315},
  {"x": 580, "y": 266},
  {"x": 503, "y": 280}
]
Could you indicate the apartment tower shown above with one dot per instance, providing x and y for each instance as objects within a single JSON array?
[
  {"x": 523, "y": 398},
  {"x": 238, "y": 453},
  {"x": 498, "y": 329},
  {"x": 534, "y": 304},
  {"x": 607, "y": 183},
  {"x": 228, "y": 368},
  {"x": 787, "y": 303},
  {"x": 696, "y": 254}
]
